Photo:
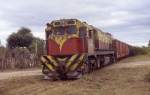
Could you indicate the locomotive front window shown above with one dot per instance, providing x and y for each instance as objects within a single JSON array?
[
  {"x": 59, "y": 30},
  {"x": 71, "y": 29}
]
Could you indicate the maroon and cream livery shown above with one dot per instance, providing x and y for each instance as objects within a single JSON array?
[{"x": 74, "y": 48}]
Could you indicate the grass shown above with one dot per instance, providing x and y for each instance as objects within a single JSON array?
[
  {"x": 123, "y": 81},
  {"x": 147, "y": 76}
]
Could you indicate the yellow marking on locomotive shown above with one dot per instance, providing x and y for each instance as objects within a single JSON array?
[
  {"x": 74, "y": 66},
  {"x": 71, "y": 60},
  {"x": 61, "y": 39},
  {"x": 78, "y": 63},
  {"x": 44, "y": 61},
  {"x": 62, "y": 59},
  {"x": 52, "y": 60},
  {"x": 50, "y": 67}
]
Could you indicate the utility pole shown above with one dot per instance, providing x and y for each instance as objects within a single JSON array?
[
  {"x": 36, "y": 47},
  {"x": 149, "y": 44}
]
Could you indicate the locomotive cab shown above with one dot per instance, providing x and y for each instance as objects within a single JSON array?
[{"x": 68, "y": 37}]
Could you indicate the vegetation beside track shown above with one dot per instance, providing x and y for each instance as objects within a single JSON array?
[{"x": 145, "y": 57}]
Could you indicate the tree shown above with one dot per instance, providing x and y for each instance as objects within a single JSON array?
[{"x": 23, "y": 38}]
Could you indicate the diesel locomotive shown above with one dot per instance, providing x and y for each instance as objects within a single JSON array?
[{"x": 74, "y": 48}]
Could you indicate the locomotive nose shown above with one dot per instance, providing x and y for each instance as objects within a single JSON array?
[
  {"x": 70, "y": 46},
  {"x": 63, "y": 66}
]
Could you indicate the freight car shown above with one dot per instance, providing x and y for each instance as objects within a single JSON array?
[
  {"x": 121, "y": 49},
  {"x": 75, "y": 48}
]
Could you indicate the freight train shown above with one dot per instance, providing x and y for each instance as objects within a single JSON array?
[{"x": 74, "y": 48}]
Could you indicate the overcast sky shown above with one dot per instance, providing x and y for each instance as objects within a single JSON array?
[{"x": 126, "y": 20}]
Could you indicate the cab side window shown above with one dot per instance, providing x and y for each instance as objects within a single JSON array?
[
  {"x": 90, "y": 34},
  {"x": 48, "y": 34}
]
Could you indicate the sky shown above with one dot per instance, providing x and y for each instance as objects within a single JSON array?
[{"x": 126, "y": 20}]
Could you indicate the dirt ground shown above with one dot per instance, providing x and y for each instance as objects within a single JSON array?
[
  {"x": 14, "y": 74},
  {"x": 123, "y": 78}
]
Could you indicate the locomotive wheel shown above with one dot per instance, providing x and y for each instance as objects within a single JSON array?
[
  {"x": 102, "y": 60},
  {"x": 86, "y": 68},
  {"x": 113, "y": 60},
  {"x": 94, "y": 64},
  {"x": 98, "y": 63},
  {"x": 45, "y": 70},
  {"x": 90, "y": 66},
  {"x": 110, "y": 59}
]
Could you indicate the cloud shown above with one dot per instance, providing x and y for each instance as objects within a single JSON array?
[{"x": 119, "y": 17}]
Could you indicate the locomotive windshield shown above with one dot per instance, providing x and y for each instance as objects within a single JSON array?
[
  {"x": 62, "y": 30},
  {"x": 59, "y": 30},
  {"x": 71, "y": 29}
]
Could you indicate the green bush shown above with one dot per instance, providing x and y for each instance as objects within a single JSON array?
[{"x": 139, "y": 50}]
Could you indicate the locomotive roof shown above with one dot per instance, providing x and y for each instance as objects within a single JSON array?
[
  {"x": 99, "y": 30},
  {"x": 90, "y": 27},
  {"x": 64, "y": 20}
]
